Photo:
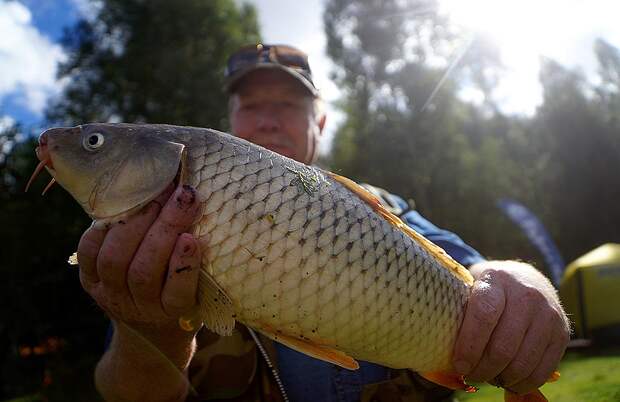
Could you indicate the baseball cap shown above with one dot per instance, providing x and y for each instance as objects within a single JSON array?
[{"x": 286, "y": 58}]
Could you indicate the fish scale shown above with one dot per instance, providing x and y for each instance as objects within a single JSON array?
[
  {"x": 305, "y": 256},
  {"x": 350, "y": 241}
]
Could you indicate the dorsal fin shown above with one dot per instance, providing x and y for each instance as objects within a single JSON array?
[{"x": 446, "y": 261}]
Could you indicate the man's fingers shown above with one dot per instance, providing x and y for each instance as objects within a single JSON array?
[
  {"x": 482, "y": 314},
  {"x": 504, "y": 343},
  {"x": 541, "y": 374},
  {"x": 179, "y": 293},
  {"x": 539, "y": 356},
  {"x": 120, "y": 245},
  {"x": 150, "y": 263},
  {"x": 88, "y": 250}
]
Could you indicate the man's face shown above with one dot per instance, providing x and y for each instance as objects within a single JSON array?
[{"x": 272, "y": 109}]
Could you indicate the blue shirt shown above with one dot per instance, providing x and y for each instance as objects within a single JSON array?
[{"x": 309, "y": 379}]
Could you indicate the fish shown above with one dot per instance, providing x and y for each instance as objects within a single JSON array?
[{"x": 302, "y": 255}]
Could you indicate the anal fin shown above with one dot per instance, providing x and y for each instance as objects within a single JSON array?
[{"x": 309, "y": 348}]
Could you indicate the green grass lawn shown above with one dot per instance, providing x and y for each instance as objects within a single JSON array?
[{"x": 586, "y": 377}]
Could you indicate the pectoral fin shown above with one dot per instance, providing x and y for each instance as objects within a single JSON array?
[
  {"x": 216, "y": 308},
  {"x": 309, "y": 348}
]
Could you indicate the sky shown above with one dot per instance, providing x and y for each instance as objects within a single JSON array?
[{"x": 524, "y": 30}]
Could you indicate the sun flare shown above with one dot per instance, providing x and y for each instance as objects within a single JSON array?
[
  {"x": 524, "y": 31},
  {"x": 523, "y": 27}
]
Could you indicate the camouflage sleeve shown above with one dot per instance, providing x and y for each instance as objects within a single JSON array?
[
  {"x": 406, "y": 386},
  {"x": 223, "y": 367}
]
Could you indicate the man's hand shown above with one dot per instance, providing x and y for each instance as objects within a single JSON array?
[
  {"x": 144, "y": 272},
  {"x": 514, "y": 332}
]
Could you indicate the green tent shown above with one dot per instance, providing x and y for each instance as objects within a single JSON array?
[{"x": 590, "y": 291}]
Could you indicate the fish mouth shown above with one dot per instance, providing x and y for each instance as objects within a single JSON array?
[{"x": 45, "y": 161}]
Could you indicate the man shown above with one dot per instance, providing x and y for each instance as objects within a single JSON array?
[{"x": 514, "y": 332}]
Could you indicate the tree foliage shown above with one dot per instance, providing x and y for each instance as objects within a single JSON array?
[
  {"x": 137, "y": 61},
  {"x": 456, "y": 159},
  {"x": 161, "y": 61},
  {"x": 153, "y": 61},
  {"x": 580, "y": 146}
]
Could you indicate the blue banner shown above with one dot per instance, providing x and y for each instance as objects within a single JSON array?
[{"x": 537, "y": 234}]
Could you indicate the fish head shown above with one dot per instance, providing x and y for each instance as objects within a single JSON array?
[{"x": 111, "y": 169}]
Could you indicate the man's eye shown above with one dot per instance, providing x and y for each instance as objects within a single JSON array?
[
  {"x": 289, "y": 104},
  {"x": 249, "y": 106}
]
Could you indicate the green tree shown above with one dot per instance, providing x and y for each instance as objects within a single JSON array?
[
  {"x": 42, "y": 293},
  {"x": 578, "y": 142},
  {"x": 608, "y": 91},
  {"x": 153, "y": 61},
  {"x": 405, "y": 127}
]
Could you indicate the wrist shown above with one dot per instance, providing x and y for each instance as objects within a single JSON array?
[
  {"x": 176, "y": 344},
  {"x": 147, "y": 365}
]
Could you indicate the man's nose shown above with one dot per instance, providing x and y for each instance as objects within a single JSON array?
[{"x": 269, "y": 119}]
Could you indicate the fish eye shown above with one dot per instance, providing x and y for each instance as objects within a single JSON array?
[{"x": 93, "y": 141}]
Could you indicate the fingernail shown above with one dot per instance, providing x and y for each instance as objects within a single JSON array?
[
  {"x": 186, "y": 196},
  {"x": 462, "y": 367}
]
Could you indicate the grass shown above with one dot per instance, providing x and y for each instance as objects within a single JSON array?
[{"x": 586, "y": 377}]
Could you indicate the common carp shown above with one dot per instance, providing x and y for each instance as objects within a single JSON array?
[{"x": 304, "y": 256}]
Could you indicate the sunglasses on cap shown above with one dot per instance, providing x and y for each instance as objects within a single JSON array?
[{"x": 249, "y": 57}]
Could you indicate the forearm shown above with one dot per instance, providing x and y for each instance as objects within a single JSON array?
[{"x": 133, "y": 369}]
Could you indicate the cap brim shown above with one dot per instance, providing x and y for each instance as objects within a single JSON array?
[{"x": 232, "y": 81}]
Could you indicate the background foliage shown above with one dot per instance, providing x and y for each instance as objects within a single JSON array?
[
  {"x": 138, "y": 61},
  {"x": 456, "y": 160},
  {"x": 161, "y": 61}
]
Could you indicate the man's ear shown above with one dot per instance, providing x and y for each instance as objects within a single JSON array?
[{"x": 322, "y": 123}]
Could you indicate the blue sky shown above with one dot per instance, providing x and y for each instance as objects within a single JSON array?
[
  {"x": 29, "y": 53},
  {"x": 30, "y": 31}
]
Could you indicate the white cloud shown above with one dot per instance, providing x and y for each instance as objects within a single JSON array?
[
  {"x": 87, "y": 9},
  {"x": 564, "y": 31},
  {"x": 6, "y": 122},
  {"x": 28, "y": 60}
]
